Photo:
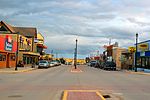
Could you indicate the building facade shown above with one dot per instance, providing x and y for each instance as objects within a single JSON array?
[
  {"x": 8, "y": 48},
  {"x": 117, "y": 57},
  {"x": 19, "y": 42},
  {"x": 143, "y": 55}
]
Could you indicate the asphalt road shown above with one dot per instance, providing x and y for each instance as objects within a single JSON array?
[{"x": 49, "y": 84}]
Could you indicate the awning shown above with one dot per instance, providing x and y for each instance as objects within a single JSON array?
[
  {"x": 42, "y": 46},
  {"x": 31, "y": 53}
]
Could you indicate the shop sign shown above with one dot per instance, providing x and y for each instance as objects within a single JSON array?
[
  {"x": 131, "y": 49},
  {"x": 8, "y": 43},
  {"x": 143, "y": 47}
]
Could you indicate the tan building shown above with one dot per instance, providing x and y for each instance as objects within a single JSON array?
[{"x": 117, "y": 56}]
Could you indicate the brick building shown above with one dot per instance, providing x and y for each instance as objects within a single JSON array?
[{"x": 27, "y": 48}]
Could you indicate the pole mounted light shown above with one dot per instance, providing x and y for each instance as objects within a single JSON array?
[
  {"x": 75, "y": 57},
  {"x": 136, "y": 52},
  {"x": 16, "y": 68}
]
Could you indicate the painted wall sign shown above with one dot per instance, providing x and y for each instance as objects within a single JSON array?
[{"x": 8, "y": 43}]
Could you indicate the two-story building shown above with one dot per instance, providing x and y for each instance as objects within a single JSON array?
[{"x": 22, "y": 40}]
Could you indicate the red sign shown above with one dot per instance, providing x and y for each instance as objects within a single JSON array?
[{"x": 7, "y": 44}]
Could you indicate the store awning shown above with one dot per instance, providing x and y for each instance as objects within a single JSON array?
[
  {"x": 31, "y": 53},
  {"x": 42, "y": 46}
]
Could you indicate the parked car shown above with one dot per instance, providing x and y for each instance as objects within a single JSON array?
[
  {"x": 94, "y": 63},
  {"x": 56, "y": 63},
  {"x": 109, "y": 65},
  {"x": 51, "y": 64},
  {"x": 43, "y": 64}
]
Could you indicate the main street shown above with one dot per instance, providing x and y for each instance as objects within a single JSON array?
[{"x": 49, "y": 84}]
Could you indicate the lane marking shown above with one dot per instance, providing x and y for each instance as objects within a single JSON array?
[
  {"x": 65, "y": 95},
  {"x": 100, "y": 95}
]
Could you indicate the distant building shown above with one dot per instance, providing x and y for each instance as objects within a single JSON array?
[
  {"x": 40, "y": 44},
  {"x": 117, "y": 56}
]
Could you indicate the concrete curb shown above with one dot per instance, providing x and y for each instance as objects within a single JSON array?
[
  {"x": 140, "y": 73},
  {"x": 19, "y": 71}
]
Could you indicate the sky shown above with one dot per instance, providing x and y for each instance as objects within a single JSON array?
[{"x": 92, "y": 22}]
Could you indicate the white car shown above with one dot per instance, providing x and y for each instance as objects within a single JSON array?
[
  {"x": 43, "y": 64},
  {"x": 51, "y": 64}
]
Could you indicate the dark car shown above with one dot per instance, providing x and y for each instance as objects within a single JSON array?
[
  {"x": 109, "y": 65},
  {"x": 94, "y": 63}
]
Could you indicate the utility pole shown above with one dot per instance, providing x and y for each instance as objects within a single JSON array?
[{"x": 136, "y": 52}]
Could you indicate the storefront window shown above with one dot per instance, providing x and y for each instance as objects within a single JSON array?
[
  {"x": 148, "y": 66},
  {"x": 2, "y": 57},
  {"x": 139, "y": 62},
  {"x": 24, "y": 60}
]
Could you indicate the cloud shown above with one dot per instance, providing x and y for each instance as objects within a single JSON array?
[{"x": 93, "y": 22}]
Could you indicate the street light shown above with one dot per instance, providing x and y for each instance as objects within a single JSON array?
[
  {"x": 17, "y": 52},
  {"x": 136, "y": 52},
  {"x": 75, "y": 57}
]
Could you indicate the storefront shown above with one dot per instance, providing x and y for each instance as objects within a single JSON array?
[
  {"x": 30, "y": 58},
  {"x": 143, "y": 59},
  {"x": 8, "y": 47}
]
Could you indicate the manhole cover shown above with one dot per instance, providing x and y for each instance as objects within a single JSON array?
[{"x": 15, "y": 96}]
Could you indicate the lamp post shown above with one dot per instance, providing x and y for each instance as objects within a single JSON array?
[
  {"x": 17, "y": 52},
  {"x": 136, "y": 52},
  {"x": 75, "y": 57}
]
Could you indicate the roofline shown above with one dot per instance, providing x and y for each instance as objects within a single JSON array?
[
  {"x": 7, "y": 26},
  {"x": 143, "y": 41}
]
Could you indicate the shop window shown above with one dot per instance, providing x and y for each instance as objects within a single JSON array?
[
  {"x": 28, "y": 60},
  {"x": 148, "y": 67},
  {"x": 139, "y": 64},
  {"x": 24, "y": 60},
  {"x": 2, "y": 57}
]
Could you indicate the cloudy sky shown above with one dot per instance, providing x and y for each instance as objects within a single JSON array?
[{"x": 92, "y": 22}]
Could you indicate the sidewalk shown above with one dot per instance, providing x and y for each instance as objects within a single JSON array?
[
  {"x": 138, "y": 72},
  {"x": 20, "y": 69}
]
